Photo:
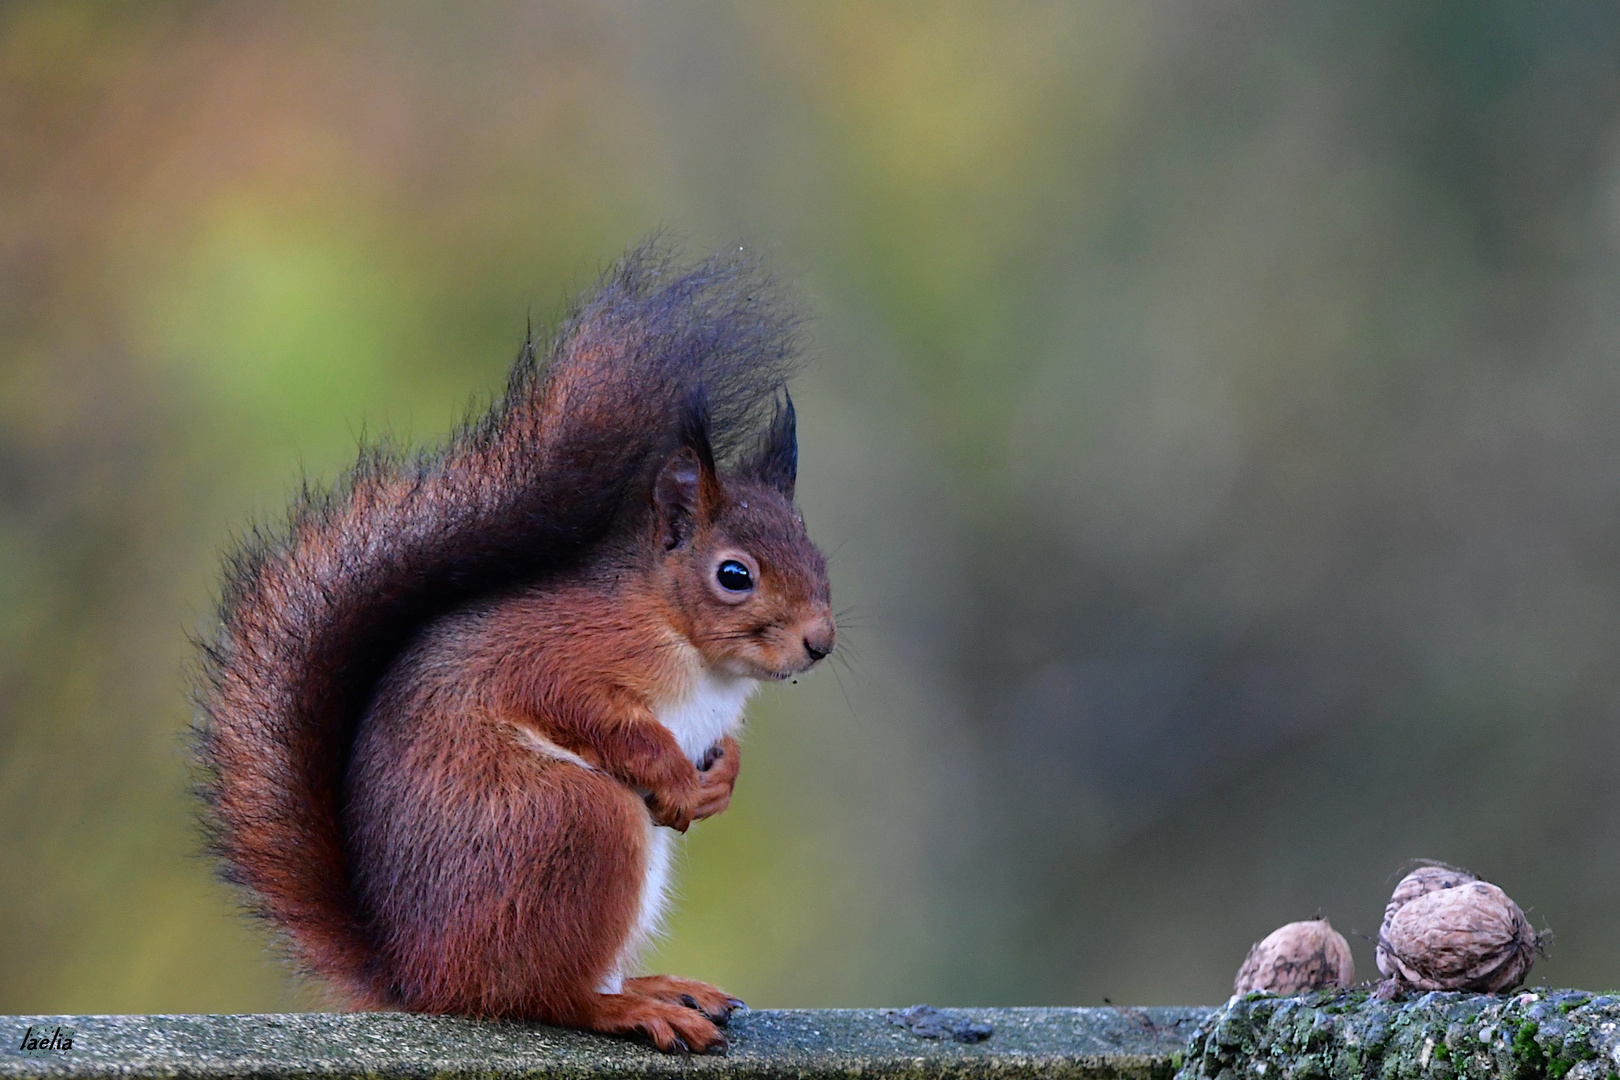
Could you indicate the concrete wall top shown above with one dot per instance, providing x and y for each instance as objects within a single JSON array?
[{"x": 1055, "y": 1043}]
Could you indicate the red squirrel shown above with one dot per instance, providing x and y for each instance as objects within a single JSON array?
[{"x": 454, "y": 713}]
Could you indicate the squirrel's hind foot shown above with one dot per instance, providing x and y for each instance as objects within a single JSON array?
[
  {"x": 673, "y": 1028},
  {"x": 711, "y": 1001}
]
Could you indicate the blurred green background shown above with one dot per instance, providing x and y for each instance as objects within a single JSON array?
[{"x": 1213, "y": 419}]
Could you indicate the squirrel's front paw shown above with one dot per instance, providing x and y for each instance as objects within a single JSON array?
[
  {"x": 672, "y": 809},
  {"x": 717, "y": 778},
  {"x": 677, "y": 806}
]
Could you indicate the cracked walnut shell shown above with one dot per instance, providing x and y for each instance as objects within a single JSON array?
[{"x": 1292, "y": 959}]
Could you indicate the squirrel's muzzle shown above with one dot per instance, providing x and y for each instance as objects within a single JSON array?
[{"x": 819, "y": 638}]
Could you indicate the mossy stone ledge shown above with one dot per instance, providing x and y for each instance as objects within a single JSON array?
[
  {"x": 1556, "y": 1034},
  {"x": 807, "y": 1044}
]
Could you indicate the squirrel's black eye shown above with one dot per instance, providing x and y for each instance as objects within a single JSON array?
[{"x": 733, "y": 576}]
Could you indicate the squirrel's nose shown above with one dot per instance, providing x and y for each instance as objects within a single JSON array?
[{"x": 819, "y": 638}]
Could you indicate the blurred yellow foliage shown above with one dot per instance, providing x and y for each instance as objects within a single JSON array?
[{"x": 1209, "y": 417}]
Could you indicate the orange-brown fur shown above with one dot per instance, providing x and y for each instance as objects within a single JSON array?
[
  {"x": 584, "y": 664},
  {"x": 432, "y": 746}
]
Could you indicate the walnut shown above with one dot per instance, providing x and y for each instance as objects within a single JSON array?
[
  {"x": 1427, "y": 878},
  {"x": 1444, "y": 929},
  {"x": 1292, "y": 959}
]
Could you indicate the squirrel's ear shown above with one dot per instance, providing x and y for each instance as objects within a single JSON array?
[
  {"x": 778, "y": 461},
  {"x": 687, "y": 491},
  {"x": 675, "y": 494}
]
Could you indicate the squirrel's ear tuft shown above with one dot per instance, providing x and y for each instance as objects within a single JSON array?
[
  {"x": 777, "y": 463},
  {"x": 694, "y": 429},
  {"x": 687, "y": 492}
]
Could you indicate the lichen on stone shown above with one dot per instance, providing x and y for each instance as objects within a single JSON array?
[{"x": 1536, "y": 1034}]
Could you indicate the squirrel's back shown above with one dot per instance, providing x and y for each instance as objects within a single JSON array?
[{"x": 314, "y": 614}]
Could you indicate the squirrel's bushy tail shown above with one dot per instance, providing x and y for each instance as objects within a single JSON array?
[{"x": 312, "y": 614}]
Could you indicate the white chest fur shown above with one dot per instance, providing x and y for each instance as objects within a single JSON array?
[
  {"x": 712, "y": 707},
  {"x": 654, "y": 895}
]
